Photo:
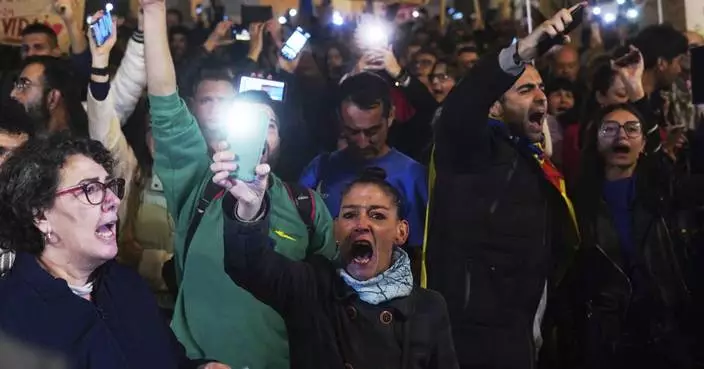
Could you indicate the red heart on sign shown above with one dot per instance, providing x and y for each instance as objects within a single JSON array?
[{"x": 57, "y": 27}]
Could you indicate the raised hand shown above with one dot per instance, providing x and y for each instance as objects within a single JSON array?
[
  {"x": 101, "y": 54},
  {"x": 250, "y": 196},
  {"x": 256, "y": 40},
  {"x": 151, "y": 3},
  {"x": 64, "y": 8},
  {"x": 629, "y": 69},
  {"x": 220, "y": 36},
  {"x": 528, "y": 46}
]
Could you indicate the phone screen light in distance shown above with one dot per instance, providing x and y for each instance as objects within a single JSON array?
[
  {"x": 337, "y": 18},
  {"x": 282, "y": 20},
  {"x": 275, "y": 89}
]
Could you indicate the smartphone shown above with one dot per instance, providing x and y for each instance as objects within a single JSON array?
[
  {"x": 697, "y": 74},
  {"x": 275, "y": 89},
  {"x": 255, "y": 14},
  {"x": 246, "y": 132},
  {"x": 293, "y": 46},
  {"x": 101, "y": 29},
  {"x": 547, "y": 42},
  {"x": 631, "y": 58},
  {"x": 240, "y": 34}
]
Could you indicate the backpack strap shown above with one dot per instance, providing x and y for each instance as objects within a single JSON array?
[
  {"x": 304, "y": 200},
  {"x": 168, "y": 270},
  {"x": 212, "y": 192}
]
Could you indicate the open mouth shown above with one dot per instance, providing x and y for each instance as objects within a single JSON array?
[
  {"x": 536, "y": 117},
  {"x": 361, "y": 252},
  {"x": 621, "y": 149},
  {"x": 107, "y": 231}
]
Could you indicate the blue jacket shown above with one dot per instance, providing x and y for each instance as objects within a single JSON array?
[{"x": 122, "y": 327}]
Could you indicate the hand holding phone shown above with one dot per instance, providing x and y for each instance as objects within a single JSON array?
[
  {"x": 295, "y": 44},
  {"x": 547, "y": 42},
  {"x": 245, "y": 128},
  {"x": 101, "y": 28}
]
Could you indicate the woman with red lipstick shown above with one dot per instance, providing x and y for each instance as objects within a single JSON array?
[
  {"x": 65, "y": 297},
  {"x": 361, "y": 312}
]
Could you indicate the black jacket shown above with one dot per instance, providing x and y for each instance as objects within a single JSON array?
[
  {"x": 498, "y": 230},
  {"x": 329, "y": 327},
  {"x": 630, "y": 312},
  {"x": 122, "y": 328}
]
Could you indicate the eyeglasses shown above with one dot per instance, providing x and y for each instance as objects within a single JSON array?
[
  {"x": 95, "y": 190},
  {"x": 23, "y": 84},
  {"x": 611, "y": 129}
]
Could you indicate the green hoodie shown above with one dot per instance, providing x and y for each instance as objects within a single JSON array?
[{"x": 213, "y": 317}]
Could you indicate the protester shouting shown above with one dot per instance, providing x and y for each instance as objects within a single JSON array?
[
  {"x": 363, "y": 312},
  {"x": 500, "y": 228},
  {"x": 58, "y": 208}
]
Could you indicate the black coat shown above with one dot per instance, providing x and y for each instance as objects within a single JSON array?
[
  {"x": 497, "y": 228},
  {"x": 630, "y": 313},
  {"x": 121, "y": 328},
  {"x": 329, "y": 327}
]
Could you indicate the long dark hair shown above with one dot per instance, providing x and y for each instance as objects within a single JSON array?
[{"x": 588, "y": 191}]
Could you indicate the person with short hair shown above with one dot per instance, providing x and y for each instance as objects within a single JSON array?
[
  {"x": 51, "y": 98},
  {"x": 366, "y": 116},
  {"x": 65, "y": 293}
]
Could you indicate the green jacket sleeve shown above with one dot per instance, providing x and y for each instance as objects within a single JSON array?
[
  {"x": 181, "y": 155},
  {"x": 323, "y": 242}
]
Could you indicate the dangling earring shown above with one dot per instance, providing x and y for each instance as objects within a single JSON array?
[{"x": 49, "y": 235}]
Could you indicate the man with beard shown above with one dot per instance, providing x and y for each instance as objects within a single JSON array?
[
  {"x": 47, "y": 90},
  {"x": 500, "y": 226},
  {"x": 213, "y": 317},
  {"x": 366, "y": 115}
]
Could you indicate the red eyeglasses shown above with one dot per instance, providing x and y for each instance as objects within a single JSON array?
[{"x": 94, "y": 190}]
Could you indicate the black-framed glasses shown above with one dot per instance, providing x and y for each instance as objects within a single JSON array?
[
  {"x": 94, "y": 190},
  {"x": 611, "y": 129}
]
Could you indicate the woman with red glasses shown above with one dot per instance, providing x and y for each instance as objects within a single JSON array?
[{"x": 65, "y": 296}]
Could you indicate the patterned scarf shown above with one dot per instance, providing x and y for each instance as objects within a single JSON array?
[{"x": 397, "y": 281}]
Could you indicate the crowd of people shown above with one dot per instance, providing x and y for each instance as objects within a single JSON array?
[{"x": 457, "y": 197}]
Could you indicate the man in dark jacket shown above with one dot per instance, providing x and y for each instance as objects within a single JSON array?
[{"x": 500, "y": 225}]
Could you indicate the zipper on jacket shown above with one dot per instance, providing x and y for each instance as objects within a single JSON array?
[
  {"x": 677, "y": 266},
  {"x": 630, "y": 285}
]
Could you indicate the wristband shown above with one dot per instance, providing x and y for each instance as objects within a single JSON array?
[
  {"x": 517, "y": 58},
  {"x": 100, "y": 71},
  {"x": 403, "y": 79}
]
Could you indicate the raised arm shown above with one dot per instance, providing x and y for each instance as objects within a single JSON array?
[
  {"x": 181, "y": 157},
  {"x": 131, "y": 77},
  {"x": 462, "y": 128},
  {"x": 103, "y": 124},
  {"x": 161, "y": 74},
  {"x": 252, "y": 263}
]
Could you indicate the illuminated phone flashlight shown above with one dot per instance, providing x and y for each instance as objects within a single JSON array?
[
  {"x": 374, "y": 34},
  {"x": 237, "y": 120},
  {"x": 450, "y": 11},
  {"x": 596, "y": 10},
  {"x": 282, "y": 20},
  {"x": 632, "y": 13},
  {"x": 337, "y": 18},
  {"x": 292, "y": 12},
  {"x": 199, "y": 9},
  {"x": 609, "y": 18},
  {"x": 415, "y": 13},
  {"x": 108, "y": 7},
  {"x": 89, "y": 20},
  {"x": 458, "y": 16},
  {"x": 620, "y": 2}
]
